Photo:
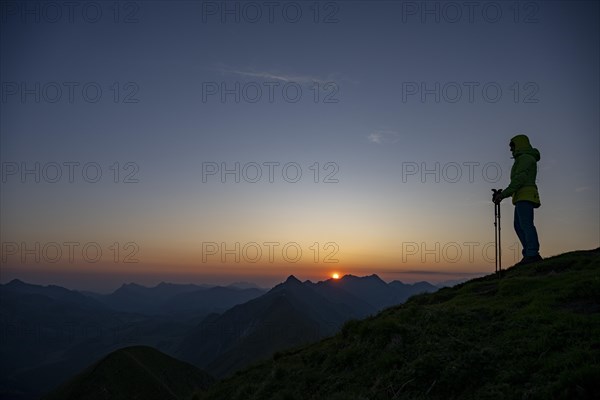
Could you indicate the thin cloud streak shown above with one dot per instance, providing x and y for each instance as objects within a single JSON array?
[
  {"x": 383, "y": 136},
  {"x": 303, "y": 79}
]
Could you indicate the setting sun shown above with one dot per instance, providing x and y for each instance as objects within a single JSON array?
[{"x": 335, "y": 275}]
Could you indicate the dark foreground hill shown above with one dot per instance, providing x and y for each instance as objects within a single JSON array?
[
  {"x": 137, "y": 372},
  {"x": 533, "y": 334}
]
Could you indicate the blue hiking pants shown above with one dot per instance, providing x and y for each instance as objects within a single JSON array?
[{"x": 525, "y": 229}]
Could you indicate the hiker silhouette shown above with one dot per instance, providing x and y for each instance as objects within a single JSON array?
[{"x": 525, "y": 196}]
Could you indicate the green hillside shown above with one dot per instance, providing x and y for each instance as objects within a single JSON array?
[
  {"x": 137, "y": 372},
  {"x": 533, "y": 334}
]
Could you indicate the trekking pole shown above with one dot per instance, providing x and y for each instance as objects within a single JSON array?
[
  {"x": 496, "y": 235},
  {"x": 499, "y": 240},
  {"x": 497, "y": 230}
]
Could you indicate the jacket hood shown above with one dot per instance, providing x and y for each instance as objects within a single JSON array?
[{"x": 522, "y": 146}]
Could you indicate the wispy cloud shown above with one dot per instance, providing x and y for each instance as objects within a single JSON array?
[
  {"x": 383, "y": 136},
  {"x": 582, "y": 189},
  {"x": 276, "y": 76},
  {"x": 375, "y": 138},
  {"x": 286, "y": 76}
]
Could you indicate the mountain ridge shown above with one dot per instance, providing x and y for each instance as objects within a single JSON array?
[
  {"x": 51, "y": 332},
  {"x": 529, "y": 332},
  {"x": 315, "y": 310}
]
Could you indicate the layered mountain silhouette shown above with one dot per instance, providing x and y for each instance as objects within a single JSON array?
[
  {"x": 169, "y": 298},
  {"x": 136, "y": 372},
  {"x": 290, "y": 314},
  {"x": 215, "y": 299},
  {"x": 50, "y": 333},
  {"x": 532, "y": 331},
  {"x": 375, "y": 292},
  {"x": 529, "y": 332}
]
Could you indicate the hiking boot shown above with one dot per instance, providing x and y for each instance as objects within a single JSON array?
[{"x": 530, "y": 259}]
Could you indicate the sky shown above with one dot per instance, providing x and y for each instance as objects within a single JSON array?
[{"x": 213, "y": 142}]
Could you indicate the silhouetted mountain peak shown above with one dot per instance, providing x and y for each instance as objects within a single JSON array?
[
  {"x": 374, "y": 278},
  {"x": 292, "y": 280},
  {"x": 16, "y": 283},
  {"x": 130, "y": 286},
  {"x": 19, "y": 285},
  {"x": 143, "y": 372}
]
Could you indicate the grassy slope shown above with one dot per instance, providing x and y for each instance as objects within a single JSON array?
[{"x": 534, "y": 334}]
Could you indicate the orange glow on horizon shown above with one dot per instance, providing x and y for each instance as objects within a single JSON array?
[{"x": 335, "y": 275}]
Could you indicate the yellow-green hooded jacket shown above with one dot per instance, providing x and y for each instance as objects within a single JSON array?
[{"x": 523, "y": 172}]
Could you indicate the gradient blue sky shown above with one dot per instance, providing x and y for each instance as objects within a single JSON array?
[{"x": 375, "y": 218}]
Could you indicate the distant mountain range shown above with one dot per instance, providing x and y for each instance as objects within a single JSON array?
[
  {"x": 290, "y": 314},
  {"x": 170, "y": 298},
  {"x": 529, "y": 332},
  {"x": 50, "y": 333}
]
